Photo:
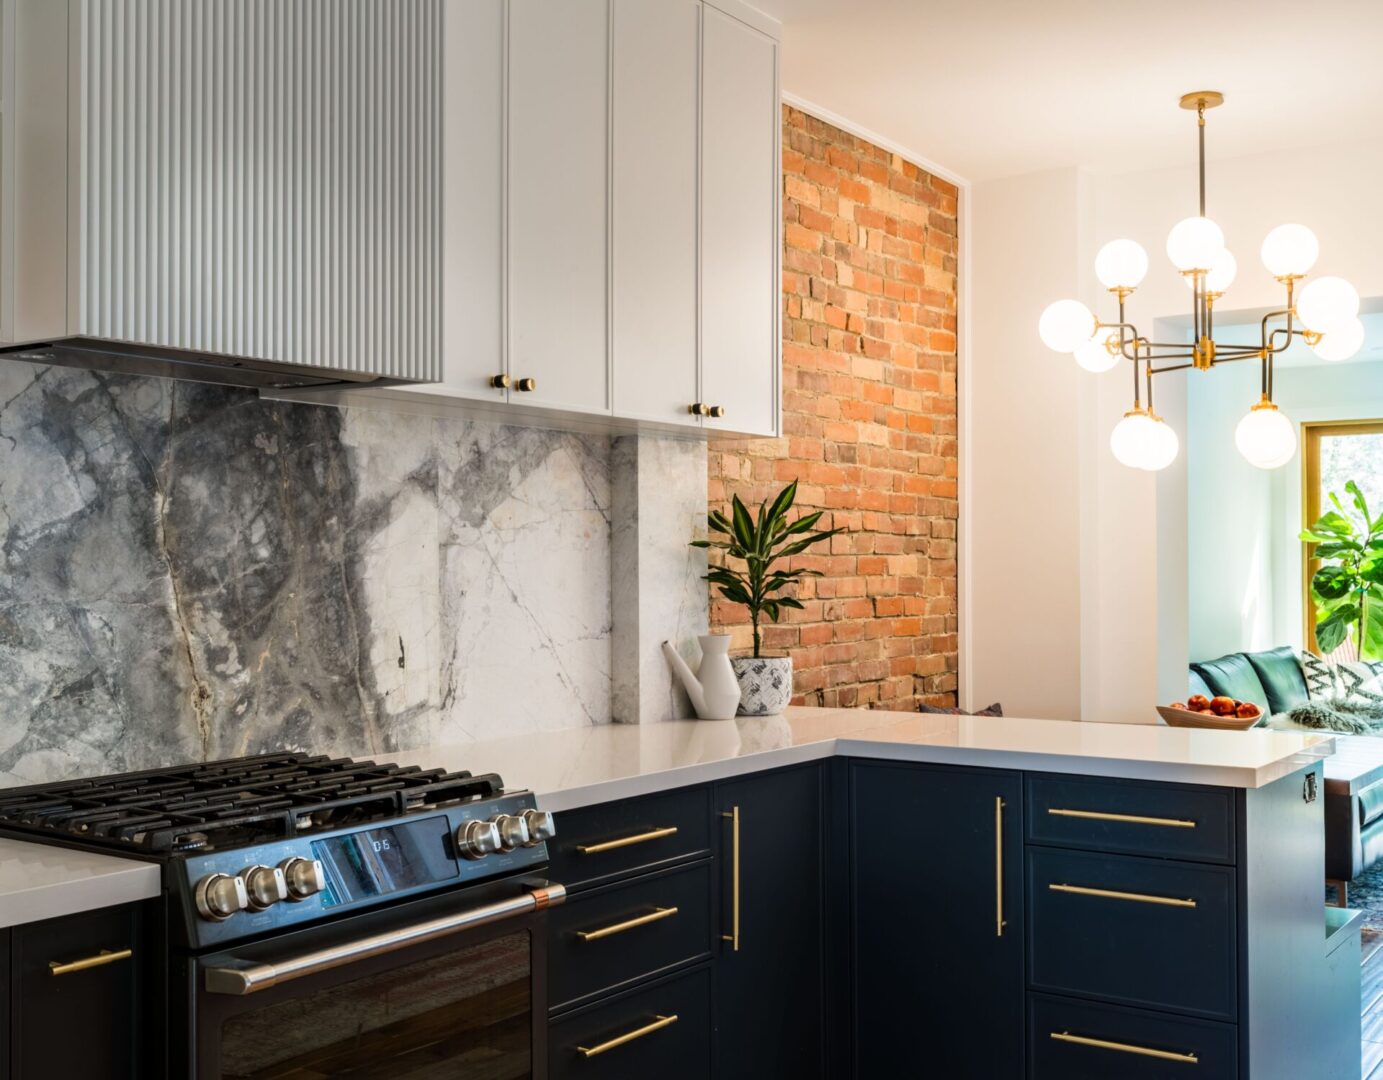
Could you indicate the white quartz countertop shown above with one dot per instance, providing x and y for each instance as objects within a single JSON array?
[
  {"x": 583, "y": 766},
  {"x": 38, "y": 881}
]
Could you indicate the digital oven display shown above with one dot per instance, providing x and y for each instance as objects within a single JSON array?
[{"x": 377, "y": 862}]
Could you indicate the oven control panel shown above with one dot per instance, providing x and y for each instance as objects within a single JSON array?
[{"x": 251, "y": 890}]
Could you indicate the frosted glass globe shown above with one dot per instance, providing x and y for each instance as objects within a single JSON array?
[
  {"x": 1121, "y": 264},
  {"x": 1093, "y": 356},
  {"x": 1162, "y": 447},
  {"x": 1289, "y": 249},
  {"x": 1342, "y": 342},
  {"x": 1066, "y": 325},
  {"x": 1265, "y": 437},
  {"x": 1327, "y": 303},
  {"x": 1220, "y": 275},
  {"x": 1194, "y": 243},
  {"x": 1133, "y": 440}
]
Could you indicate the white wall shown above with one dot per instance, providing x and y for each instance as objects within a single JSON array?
[{"x": 1132, "y": 644}]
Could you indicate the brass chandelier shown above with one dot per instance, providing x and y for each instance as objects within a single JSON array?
[{"x": 1325, "y": 314}]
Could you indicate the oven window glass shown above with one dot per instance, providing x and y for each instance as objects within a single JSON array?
[{"x": 462, "y": 1014}]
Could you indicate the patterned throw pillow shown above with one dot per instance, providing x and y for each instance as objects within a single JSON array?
[
  {"x": 1360, "y": 680},
  {"x": 994, "y": 710},
  {"x": 1321, "y": 683}
]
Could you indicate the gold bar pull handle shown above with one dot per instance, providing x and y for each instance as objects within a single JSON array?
[
  {"x": 627, "y": 841},
  {"x": 656, "y": 915},
  {"x": 101, "y": 959},
  {"x": 1115, "y": 894},
  {"x": 619, "y": 1040},
  {"x": 1127, "y": 819},
  {"x": 734, "y": 935},
  {"x": 1125, "y": 1048},
  {"x": 999, "y": 922}
]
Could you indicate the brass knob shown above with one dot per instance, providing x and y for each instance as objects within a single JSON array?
[
  {"x": 500, "y": 382},
  {"x": 696, "y": 408},
  {"x": 525, "y": 385},
  {"x": 716, "y": 411}
]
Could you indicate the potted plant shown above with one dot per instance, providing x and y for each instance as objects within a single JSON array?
[
  {"x": 762, "y": 542},
  {"x": 1348, "y": 588}
]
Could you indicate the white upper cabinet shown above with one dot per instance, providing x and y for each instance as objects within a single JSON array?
[
  {"x": 558, "y": 219},
  {"x": 654, "y": 199},
  {"x": 740, "y": 284}
]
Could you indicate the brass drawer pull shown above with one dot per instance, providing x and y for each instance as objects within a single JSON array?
[
  {"x": 1114, "y": 894},
  {"x": 619, "y": 1040},
  {"x": 1125, "y": 1048},
  {"x": 1127, "y": 819},
  {"x": 653, "y": 916},
  {"x": 998, "y": 866},
  {"x": 733, "y": 937},
  {"x": 626, "y": 841},
  {"x": 101, "y": 959}
]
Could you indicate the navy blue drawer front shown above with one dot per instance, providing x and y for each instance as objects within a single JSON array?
[
  {"x": 1143, "y": 932},
  {"x": 1170, "y": 821},
  {"x": 662, "y": 1031},
  {"x": 1080, "y": 1040},
  {"x": 606, "y": 938},
  {"x": 598, "y": 843}
]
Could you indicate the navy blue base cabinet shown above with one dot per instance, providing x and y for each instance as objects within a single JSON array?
[{"x": 937, "y": 873}]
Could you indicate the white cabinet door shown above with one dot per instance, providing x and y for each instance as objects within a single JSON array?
[
  {"x": 558, "y": 219},
  {"x": 739, "y": 224},
  {"x": 473, "y": 193},
  {"x": 654, "y": 201}
]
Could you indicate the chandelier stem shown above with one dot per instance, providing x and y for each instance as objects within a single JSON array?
[
  {"x": 1137, "y": 400},
  {"x": 1200, "y": 128}
]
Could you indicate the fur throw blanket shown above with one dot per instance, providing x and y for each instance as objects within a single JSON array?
[{"x": 1346, "y": 716}]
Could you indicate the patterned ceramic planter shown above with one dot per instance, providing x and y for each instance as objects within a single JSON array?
[{"x": 765, "y": 684}]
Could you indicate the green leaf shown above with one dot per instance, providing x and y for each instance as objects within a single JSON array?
[
  {"x": 1334, "y": 524},
  {"x": 1332, "y": 630},
  {"x": 801, "y": 525},
  {"x": 789, "y": 602},
  {"x": 1359, "y": 503},
  {"x": 802, "y": 545},
  {"x": 1372, "y": 646},
  {"x": 1331, "y": 549},
  {"x": 743, "y": 525},
  {"x": 783, "y": 502},
  {"x": 735, "y": 593},
  {"x": 716, "y": 520},
  {"x": 771, "y": 607},
  {"x": 1332, "y": 582}
]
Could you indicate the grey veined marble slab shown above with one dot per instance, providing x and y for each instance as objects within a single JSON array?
[{"x": 189, "y": 572}]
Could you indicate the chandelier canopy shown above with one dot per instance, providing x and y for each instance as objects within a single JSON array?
[{"x": 1324, "y": 313}]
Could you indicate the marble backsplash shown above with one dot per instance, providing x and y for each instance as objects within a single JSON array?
[{"x": 189, "y": 572}]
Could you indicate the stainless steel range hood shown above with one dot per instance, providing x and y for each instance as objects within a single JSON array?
[{"x": 95, "y": 354}]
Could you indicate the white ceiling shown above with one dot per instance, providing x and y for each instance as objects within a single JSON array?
[{"x": 991, "y": 88}]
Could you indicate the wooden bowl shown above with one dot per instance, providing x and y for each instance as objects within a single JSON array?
[{"x": 1187, "y": 718}]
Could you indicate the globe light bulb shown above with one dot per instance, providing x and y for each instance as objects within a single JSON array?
[
  {"x": 1266, "y": 437},
  {"x": 1194, "y": 243},
  {"x": 1163, "y": 446},
  {"x": 1066, "y": 325},
  {"x": 1094, "y": 356},
  {"x": 1327, "y": 304},
  {"x": 1133, "y": 438},
  {"x": 1341, "y": 343},
  {"x": 1221, "y": 274},
  {"x": 1289, "y": 250},
  {"x": 1121, "y": 264}
]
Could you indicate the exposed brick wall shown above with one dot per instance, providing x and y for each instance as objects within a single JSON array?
[{"x": 869, "y": 415}]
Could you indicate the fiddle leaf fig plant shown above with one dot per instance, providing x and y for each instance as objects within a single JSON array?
[
  {"x": 1348, "y": 588},
  {"x": 762, "y": 542}
]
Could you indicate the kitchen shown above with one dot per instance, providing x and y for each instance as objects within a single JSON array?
[{"x": 353, "y": 443}]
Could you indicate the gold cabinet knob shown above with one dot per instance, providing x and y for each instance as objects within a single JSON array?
[
  {"x": 500, "y": 382},
  {"x": 716, "y": 411},
  {"x": 526, "y": 384},
  {"x": 696, "y": 408}
]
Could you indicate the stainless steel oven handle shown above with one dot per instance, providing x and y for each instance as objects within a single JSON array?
[{"x": 248, "y": 977}]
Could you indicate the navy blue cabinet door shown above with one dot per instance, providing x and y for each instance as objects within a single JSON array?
[
  {"x": 770, "y": 993},
  {"x": 937, "y": 885}
]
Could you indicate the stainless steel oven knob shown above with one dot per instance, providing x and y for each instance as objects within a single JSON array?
[
  {"x": 304, "y": 877},
  {"x": 476, "y": 839},
  {"x": 540, "y": 826},
  {"x": 513, "y": 831},
  {"x": 264, "y": 886},
  {"x": 219, "y": 896}
]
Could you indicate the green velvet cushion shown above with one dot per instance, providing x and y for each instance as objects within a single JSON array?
[
  {"x": 1233, "y": 676},
  {"x": 1280, "y": 673}
]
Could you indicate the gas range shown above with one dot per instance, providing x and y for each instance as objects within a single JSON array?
[{"x": 255, "y": 845}]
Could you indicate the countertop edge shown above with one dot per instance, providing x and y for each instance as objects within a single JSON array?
[{"x": 101, "y": 889}]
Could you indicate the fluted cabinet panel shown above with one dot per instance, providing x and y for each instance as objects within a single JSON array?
[{"x": 261, "y": 178}]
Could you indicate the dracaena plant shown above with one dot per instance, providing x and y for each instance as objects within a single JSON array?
[
  {"x": 761, "y": 542},
  {"x": 1348, "y": 588}
]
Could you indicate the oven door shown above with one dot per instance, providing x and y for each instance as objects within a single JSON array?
[{"x": 449, "y": 986}]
